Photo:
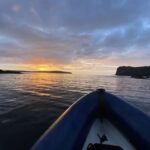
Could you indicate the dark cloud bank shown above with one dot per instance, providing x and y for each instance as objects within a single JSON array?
[{"x": 65, "y": 31}]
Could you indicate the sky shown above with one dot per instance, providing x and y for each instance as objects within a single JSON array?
[{"x": 74, "y": 35}]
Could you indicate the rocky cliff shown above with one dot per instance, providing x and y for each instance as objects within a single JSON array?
[{"x": 136, "y": 72}]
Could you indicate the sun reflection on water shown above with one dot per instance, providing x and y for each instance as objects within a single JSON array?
[{"x": 41, "y": 84}]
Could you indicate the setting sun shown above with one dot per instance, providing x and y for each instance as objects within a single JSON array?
[
  {"x": 45, "y": 67},
  {"x": 42, "y": 69}
]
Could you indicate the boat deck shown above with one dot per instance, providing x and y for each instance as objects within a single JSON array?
[{"x": 114, "y": 136}]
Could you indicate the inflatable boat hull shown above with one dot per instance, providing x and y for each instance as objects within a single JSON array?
[{"x": 73, "y": 128}]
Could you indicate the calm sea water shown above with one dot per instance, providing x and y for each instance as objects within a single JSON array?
[{"x": 30, "y": 102}]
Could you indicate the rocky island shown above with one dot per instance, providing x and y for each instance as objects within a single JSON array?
[
  {"x": 9, "y": 72},
  {"x": 135, "y": 72}
]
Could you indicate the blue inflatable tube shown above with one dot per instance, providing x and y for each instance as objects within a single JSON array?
[{"x": 71, "y": 128}]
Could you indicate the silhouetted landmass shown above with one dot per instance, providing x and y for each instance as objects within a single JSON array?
[
  {"x": 19, "y": 72},
  {"x": 9, "y": 72},
  {"x": 135, "y": 72},
  {"x": 59, "y": 72}
]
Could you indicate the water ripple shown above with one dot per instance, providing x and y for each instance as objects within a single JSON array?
[{"x": 29, "y": 103}]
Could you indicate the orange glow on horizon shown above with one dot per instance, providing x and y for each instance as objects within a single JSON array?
[
  {"x": 42, "y": 69},
  {"x": 81, "y": 66}
]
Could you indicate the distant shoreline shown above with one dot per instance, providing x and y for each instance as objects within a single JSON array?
[
  {"x": 10, "y": 72},
  {"x": 55, "y": 71},
  {"x": 20, "y": 72}
]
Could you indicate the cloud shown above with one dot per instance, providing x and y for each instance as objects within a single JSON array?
[{"x": 67, "y": 31}]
